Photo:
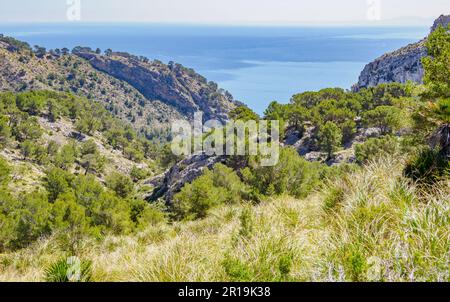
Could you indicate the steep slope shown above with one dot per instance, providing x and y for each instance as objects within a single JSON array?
[
  {"x": 55, "y": 135},
  {"x": 400, "y": 66},
  {"x": 378, "y": 228},
  {"x": 148, "y": 94},
  {"x": 173, "y": 84}
]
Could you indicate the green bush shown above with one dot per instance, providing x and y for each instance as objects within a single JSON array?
[
  {"x": 5, "y": 171},
  {"x": 106, "y": 211},
  {"x": 5, "y": 131},
  {"x": 225, "y": 178},
  {"x": 70, "y": 222},
  {"x": 69, "y": 270},
  {"x": 23, "y": 220},
  {"x": 121, "y": 184},
  {"x": 27, "y": 129},
  {"x": 138, "y": 174},
  {"x": 237, "y": 270},
  {"x": 386, "y": 118},
  {"x": 56, "y": 182},
  {"x": 291, "y": 175},
  {"x": 151, "y": 215},
  {"x": 65, "y": 158},
  {"x": 428, "y": 166},
  {"x": 375, "y": 147},
  {"x": 196, "y": 199},
  {"x": 330, "y": 138},
  {"x": 217, "y": 186}
]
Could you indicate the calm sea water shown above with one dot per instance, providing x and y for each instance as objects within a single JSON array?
[{"x": 256, "y": 64}]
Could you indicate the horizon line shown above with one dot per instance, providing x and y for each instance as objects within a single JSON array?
[{"x": 409, "y": 22}]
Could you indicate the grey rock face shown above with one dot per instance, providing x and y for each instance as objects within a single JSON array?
[
  {"x": 172, "y": 84},
  {"x": 184, "y": 172},
  {"x": 443, "y": 21},
  {"x": 400, "y": 66}
]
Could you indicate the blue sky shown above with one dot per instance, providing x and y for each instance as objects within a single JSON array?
[{"x": 229, "y": 11}]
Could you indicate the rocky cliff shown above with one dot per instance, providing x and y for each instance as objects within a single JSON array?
[
  {"x": 148, "y": 94},
  {"x": 172, "y": 84},
  {"x": 400, "y": 66},
  {"x": 183, "y": 172}
]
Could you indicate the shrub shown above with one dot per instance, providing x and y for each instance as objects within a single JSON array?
[
  {"x": 151, "y": 215},
  {"x": 138, "y": 174},
  {"x": 237, "y": 270},
  {"x": 375, "y": 147},
  {"x": 23, "y": 220},
  {"x": 5, "y": 171},
  {"x": 56, "y": 182},
  {"x": 91, "y": 160},
  {"x": 134, "y": 154},
  {"x": 5, "y": 131},
  {"x": 291, "y": 175},
  {"x": 89, "y": 147},
  {"x": 28, "y": 129},
  {"x": 386, "y": 118},
  {"x": 427, "y": 166},
  {"x": 225, "y": 178},
  {"x": 348, "y": 130},
  {"x": 120, "y": 184},
  {"x": 330, "y": 138},
  {"x": 69, "y": 270},
  {"x": 217, "y": 186},
  {"x": 437, "y": 73},
  {"x": 105, "y": 210},
  {"x": 70, "y": 222},
  {"x": 195, "y": 199},
  {"x": 66, "y": 156},
  {"x": 298, "y": 116}
]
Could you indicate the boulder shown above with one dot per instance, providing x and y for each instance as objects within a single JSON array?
[{"x": 184, "y": 172}]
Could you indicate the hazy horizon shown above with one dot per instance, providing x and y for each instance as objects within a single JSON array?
[
  {"x": 257, "y": 65},
  {"x": 227, "y": 13}
]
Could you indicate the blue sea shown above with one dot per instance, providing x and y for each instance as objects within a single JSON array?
[{"x": 256, "y": 64}]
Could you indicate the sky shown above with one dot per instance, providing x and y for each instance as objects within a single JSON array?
[{"x": 226, "y": 12}]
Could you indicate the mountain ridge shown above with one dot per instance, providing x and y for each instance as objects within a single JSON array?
[
  {"x": 401, "y": 66},
  {"x": 147, "y": 94}
]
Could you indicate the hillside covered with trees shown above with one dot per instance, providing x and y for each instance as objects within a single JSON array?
[
  {"x": 146, "y": 94},
  {"x": 361, "y": 191}
]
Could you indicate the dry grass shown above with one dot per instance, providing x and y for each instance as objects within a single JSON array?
[{"x": 371, "y": 225}]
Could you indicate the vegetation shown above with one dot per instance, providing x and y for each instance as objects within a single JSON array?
[
  {"x": 334, "y": 116},
  {"x": 382, "y": 218},
  {"x": 330, "y": 137},
  {"x": 376, "y": 147},
  {"x": 380, "y": 228},
  {"x": 70, "y": 201},
  {"x": 67, "y": 270}
]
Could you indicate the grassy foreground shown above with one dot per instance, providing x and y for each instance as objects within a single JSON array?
[{"x": 373, "y": 225}]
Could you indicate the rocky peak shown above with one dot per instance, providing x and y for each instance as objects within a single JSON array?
[
  {"x": 399, "y": 66},
  {"x": 443, "y": 20}
]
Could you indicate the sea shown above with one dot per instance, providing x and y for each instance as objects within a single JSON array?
[{"x": 256, "y": 64}]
